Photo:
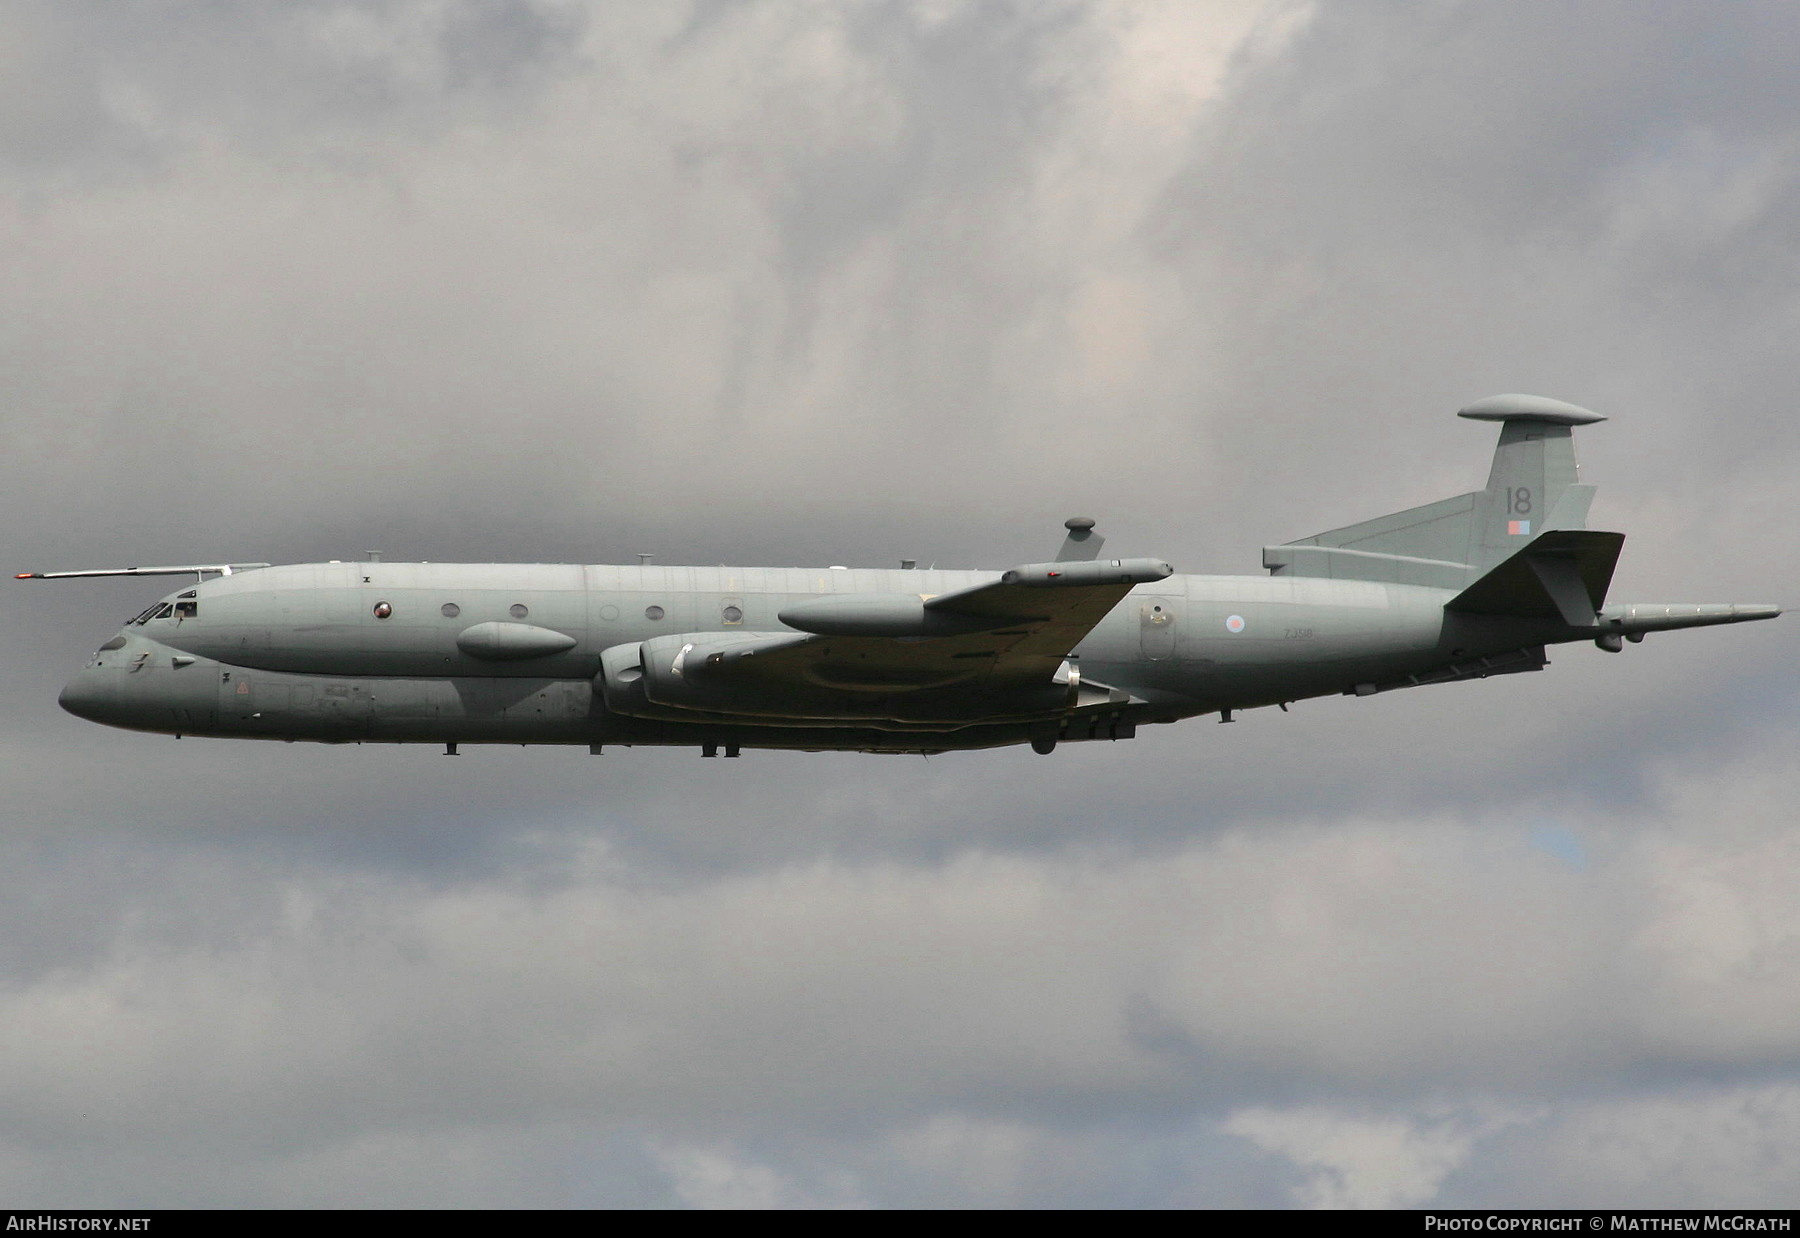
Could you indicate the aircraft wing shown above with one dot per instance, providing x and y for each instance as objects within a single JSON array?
[
  {"x": 1016, "y": 629},
  {"x": 1045, "y": 609}
]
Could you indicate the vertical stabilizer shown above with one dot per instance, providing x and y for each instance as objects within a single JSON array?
[{"x": 1532, "y": 488}]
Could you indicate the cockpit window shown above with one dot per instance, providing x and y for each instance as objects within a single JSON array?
[
  {"x": 191, "y": 593},
  {"x": 186, "y": 610},
  {"x": 150, "y": 614}
]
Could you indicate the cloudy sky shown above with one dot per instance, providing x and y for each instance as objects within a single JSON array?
[{"x": 807, "y": 283}]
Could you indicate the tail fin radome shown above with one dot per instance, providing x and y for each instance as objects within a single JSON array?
[{"x": 1531, "y": 488}]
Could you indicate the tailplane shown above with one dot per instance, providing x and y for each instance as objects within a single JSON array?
[
  {"x": 1562, "y": 574},
  {"x": 1532, "y": 488}
]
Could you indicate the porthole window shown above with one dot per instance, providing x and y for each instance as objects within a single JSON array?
[
  {"x": 450, "y": 610},
  {"x": 383, "y": 610},
  {"x": 653, "y": 612},
  {"x": 732, "y": 614},
  {"x": 518, "y": 610}
]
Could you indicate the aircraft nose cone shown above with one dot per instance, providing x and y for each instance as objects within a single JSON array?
[{"x": 88, "y": 695}]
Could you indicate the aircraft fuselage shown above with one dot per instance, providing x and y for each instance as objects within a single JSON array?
[
  {"x": 382, "y": 652},
  {"x": 1078, "y": 648}
]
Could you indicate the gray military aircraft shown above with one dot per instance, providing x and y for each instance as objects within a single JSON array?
[{"x": 1078, "y": 648}]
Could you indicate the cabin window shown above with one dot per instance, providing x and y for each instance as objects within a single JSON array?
[
  {"x": 383, "y": 610},
  {"x": 518, "y": 610},
  {"x": 653, "y": 612},
  {"x": 732, "y": 614},
  {"x": 449, "y": 610}
]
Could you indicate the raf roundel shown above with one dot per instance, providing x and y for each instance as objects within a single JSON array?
[{"x": 1234, "y": 624}]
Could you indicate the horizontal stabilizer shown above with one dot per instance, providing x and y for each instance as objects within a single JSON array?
[{"x": 1563, "y": 574}]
